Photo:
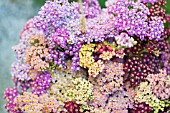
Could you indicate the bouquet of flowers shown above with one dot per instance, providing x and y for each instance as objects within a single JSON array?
[{"x": 78, "y": 58}]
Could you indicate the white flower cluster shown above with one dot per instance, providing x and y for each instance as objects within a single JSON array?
[{"x": 125, "y": 40}]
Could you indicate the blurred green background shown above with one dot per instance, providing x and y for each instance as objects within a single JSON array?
[{"x": 13, "y": 16}]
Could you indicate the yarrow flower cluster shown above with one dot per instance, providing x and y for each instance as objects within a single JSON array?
[
  {"x": 145, "y": 94},
  {"x": 29, "y": 102},
  {"x": 78, "y": 58},
  {"x": 135, "y": 21},
  {"x": 36, "y": 53},
  {"x": 20, "y": 71},
  {"x": 160, "y": 84}
]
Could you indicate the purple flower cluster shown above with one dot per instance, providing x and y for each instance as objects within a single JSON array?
[
  {"x": 72, "y": 51},
  {"x": 59, "y": 56},
  {"x": 91, "y": 8},
  {"x": 29, "y": 31},
  {"x": 98, "y": 29},
  {"x": 20, "y": 50},
  {"x": 20, "y": 71},
  {"x": 135, "y": 21},
  {"x": 156, "y": 28},
  {"x": 10, "y": 94},
  {"x": 152, "y": 62},
  {"x": 54, "y": 15},
  {"x": 41, "y": 83},
  {"x": 165, "y": 59},
  {"x": 60, "y": 37},
  {"x": 22, "y": 86}
]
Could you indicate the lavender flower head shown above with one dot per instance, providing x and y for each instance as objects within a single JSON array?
[
  {"x": 29, "y": 31},
  {"x": 60, "y": 37},
  {"x": 91, "y": 8},
  {"x": 135, "y": 21},
  {"x": 156, "y": 28},
  {"x": 20, "y": 71},
  {"x": 54, "y": 15},
  {"x": 20, "y": 51}
]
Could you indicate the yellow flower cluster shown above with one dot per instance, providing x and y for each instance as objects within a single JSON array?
[
  {"x": 36, "y": 53},
  {"x": 28, "y": 102},
  {"x": 98, "y": 47},
  {"x": 73, "y": 89},
  {"x": 95, "y": 68},
  {"x": 85, "y": 55},
  {"x": 145, "y": 94},
  {"x": 87, "y": 61},
  {"x": 107, "y": 55},
  {"x": 59, "y": 88},
  {"x": 31, "y": 103},
  {"x": 62, "y": 80},
  {"x": 81, "y": 92}
]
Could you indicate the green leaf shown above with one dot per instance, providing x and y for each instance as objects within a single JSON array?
[{"x": 144, "y": 51}]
